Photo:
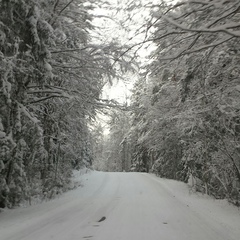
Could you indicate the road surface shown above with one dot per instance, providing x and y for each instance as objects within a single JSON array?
[{"x": 117, "y": 206}]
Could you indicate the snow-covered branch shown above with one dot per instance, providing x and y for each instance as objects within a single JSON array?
[{"x": 224, "y": 28}]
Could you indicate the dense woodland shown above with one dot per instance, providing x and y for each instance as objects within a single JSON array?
[
  {"x": 52, "y": 74},
  {"x": 183, "y": 122},
  {"x": 184, "y": 118}
]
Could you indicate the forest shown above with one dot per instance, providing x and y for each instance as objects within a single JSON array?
[{"x": 182, "y": 121}]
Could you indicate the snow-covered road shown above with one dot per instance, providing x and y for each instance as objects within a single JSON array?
[{"x": 126, "y": 206}]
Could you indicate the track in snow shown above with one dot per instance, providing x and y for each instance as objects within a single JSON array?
[{"x": 115, "y": 206}]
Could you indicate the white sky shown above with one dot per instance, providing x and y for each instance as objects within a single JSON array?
[
  {"x": 111, "y": 29},
  {"x": 120, "y": 91}
]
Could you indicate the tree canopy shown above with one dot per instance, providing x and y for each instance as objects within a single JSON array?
[
  {"x": 184, "y": 119},
  {"x": 185, "y": 104},
  {"x": 52, "y": 75}
]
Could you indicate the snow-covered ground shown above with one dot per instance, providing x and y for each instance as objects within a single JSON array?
[{"x": 127, "y": 206}]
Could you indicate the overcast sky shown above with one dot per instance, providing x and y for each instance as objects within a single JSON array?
[{"x": 113, "y": 23}]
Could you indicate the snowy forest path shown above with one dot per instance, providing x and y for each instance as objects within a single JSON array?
[{"x": 112, "y": 206}]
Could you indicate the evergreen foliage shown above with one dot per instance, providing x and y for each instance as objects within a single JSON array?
[
  {"x": 51, "y": 78},
  {"x": 186, "y": 113},
  {"x": 184, "y": 122}
]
